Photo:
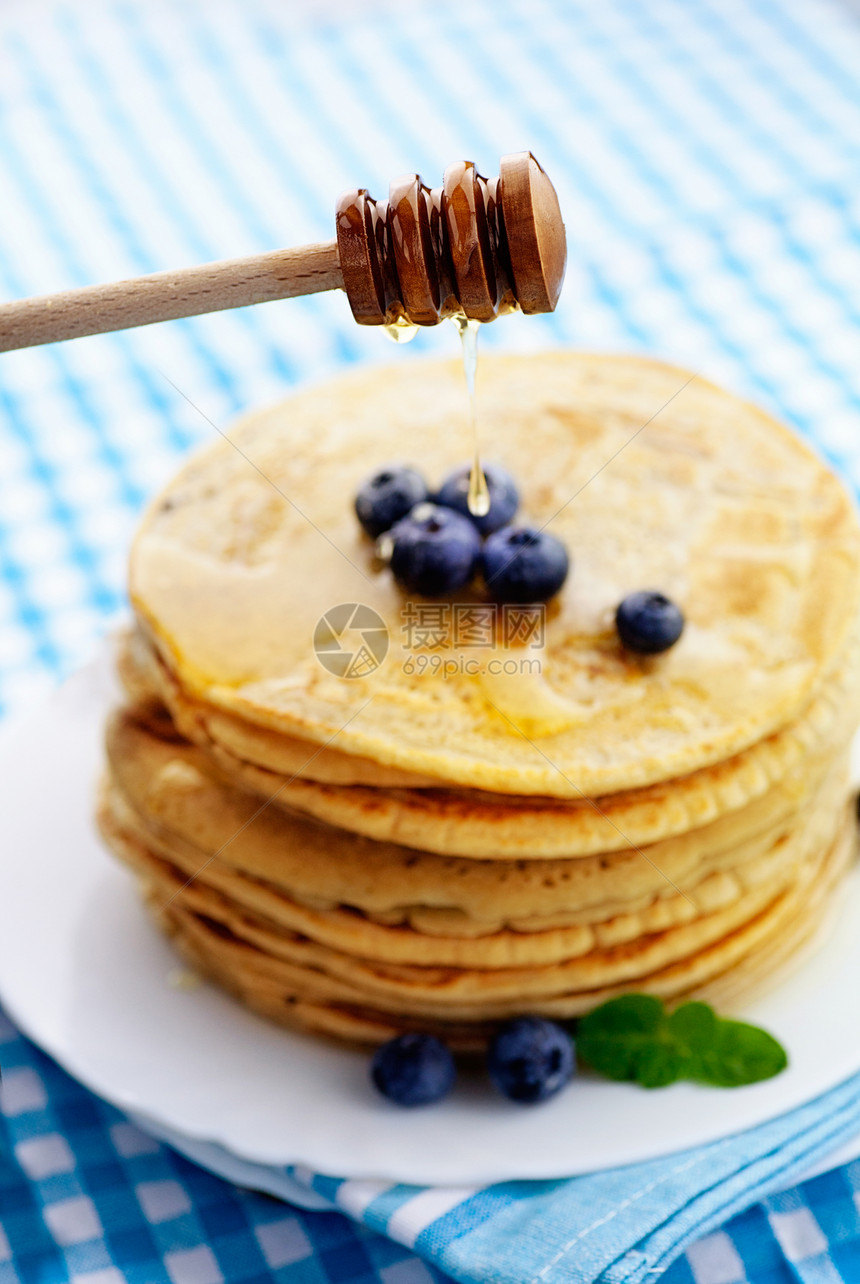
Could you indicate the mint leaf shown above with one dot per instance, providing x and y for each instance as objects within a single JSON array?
[
  {"x": 634, "y": 1039},
  {"x": 615, "y": 1037},
  {"x": 657, "y": 1065},
  {"x": 740, "y": 1054},
  {"x": 693, "y": 1024}
]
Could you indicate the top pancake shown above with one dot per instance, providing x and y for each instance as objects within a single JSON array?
[{"x": 650, "y": 480}]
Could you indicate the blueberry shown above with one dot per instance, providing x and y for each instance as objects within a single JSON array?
[
  {"x": 387, "y": 496},
  {"x": 504, "y": 496},
  {"x": 649, "y": 622},
  {"x": 413, "y": 1069},
  {"x": 434, "y": 551},
  {"x": 531, "y": 1059},
  {"x": 522, "y": 564}
]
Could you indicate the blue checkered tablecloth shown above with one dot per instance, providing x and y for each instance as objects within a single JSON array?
[{"x": 707, "y": 157}]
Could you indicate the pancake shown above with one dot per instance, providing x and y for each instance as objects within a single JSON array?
[
  {"x": 468, "y": 989},
  {"x": 712, "y": 501},
  {"x": 149, "y": 686},
  {"x": 294, "y": 991},
  {"x": 195, "y": 815},
  {"x": 472, "y": 823},
  {"x": 430, "y": 937}
]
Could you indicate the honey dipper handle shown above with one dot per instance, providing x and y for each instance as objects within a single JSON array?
[{"x": 164, "y": 296}]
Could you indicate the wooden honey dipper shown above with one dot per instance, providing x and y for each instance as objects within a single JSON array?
[{"x": 474, "y": 245}]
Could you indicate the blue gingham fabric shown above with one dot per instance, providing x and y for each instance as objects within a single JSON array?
[{"x": 706, "y": 157}]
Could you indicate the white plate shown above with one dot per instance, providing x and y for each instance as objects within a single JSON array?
[{"x": 85, "y": 975}]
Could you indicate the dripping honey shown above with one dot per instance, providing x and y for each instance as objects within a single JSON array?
[{"x": 478, "y": 498}]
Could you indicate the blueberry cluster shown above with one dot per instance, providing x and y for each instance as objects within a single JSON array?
[
  {"x": 529, "y": 1060},
  {"x": 436, "y": 546}
]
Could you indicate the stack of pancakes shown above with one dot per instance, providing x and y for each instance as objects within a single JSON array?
[{"x": 544, "y": 821}]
